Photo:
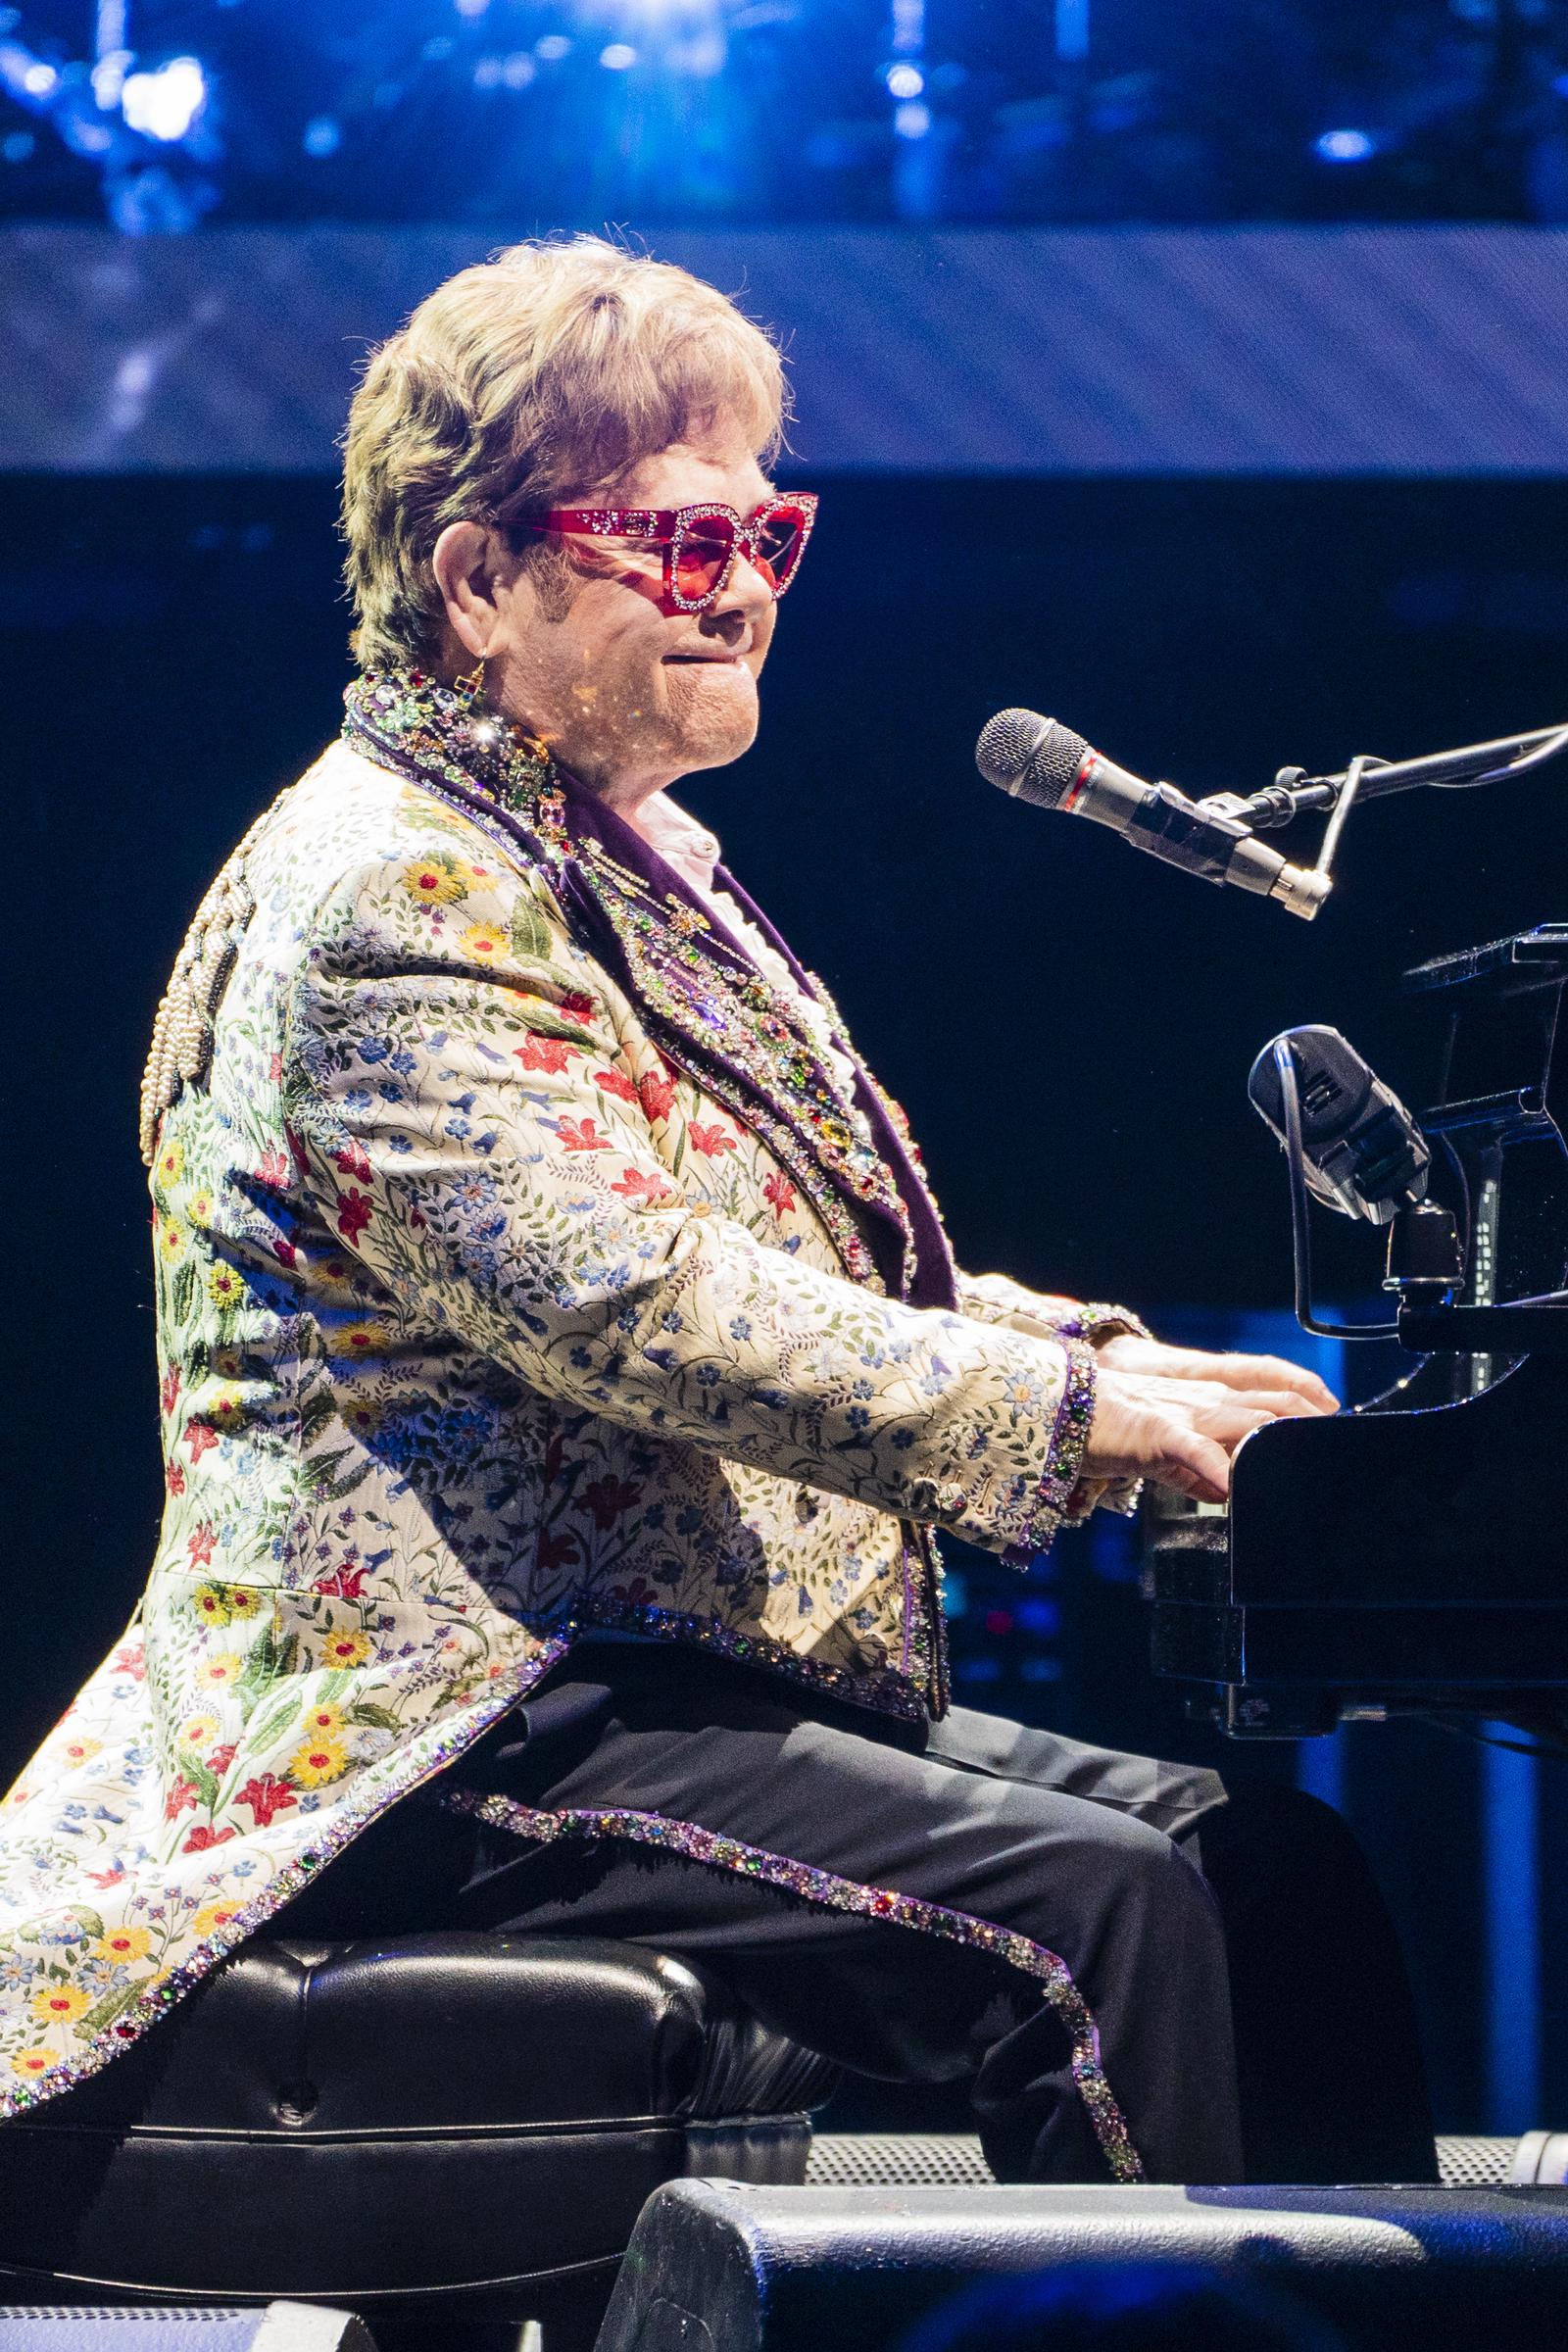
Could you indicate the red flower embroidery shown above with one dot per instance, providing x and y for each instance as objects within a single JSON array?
[
  {"x": 779, "y": 1194},
  {"x": 344, "y": 1584},
  {"x": 266, "y": 1796},
  {"x": 710, "y": 1140},
  {"x": 349, "y": 1157},
  {"x": 609, "y": 1499},
  {"x": 168, "y": 1389},
  {"x": 273, "y": 1169},
  {"x": 579, "y": 1135},
  {"x": 181, "y": 1798},
  {"x": 575, "y": 1005},
  {"x": 199, "y": 1438},
  {"x": 353, "y": 1214},
  {"x": 284, "y": 1251},
  {"x": 633, "y": 1185},
  {"x": 638, "y": 1594},
  {"x": 131, "y": 1660},
  {"x": 201, "y": 1544},
  {"x": 200, "y": 1838},
  {"x": 558, "y": 1550},
  {"x": 658, "y": 1093},
  {"x": 218, "y": 1759},
  {"x": 616, "y": 1082},
  {"x": 174, "y": 1478},
  {"x": 547, "y": 1054}
]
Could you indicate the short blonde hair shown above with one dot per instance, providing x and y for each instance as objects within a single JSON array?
[{"x": 518, "y": 386}]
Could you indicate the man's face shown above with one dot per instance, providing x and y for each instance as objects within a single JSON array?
[{"x": 628, "y": 694}]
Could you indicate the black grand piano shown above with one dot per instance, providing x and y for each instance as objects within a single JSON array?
[{"x": 1411, "y": 1555}]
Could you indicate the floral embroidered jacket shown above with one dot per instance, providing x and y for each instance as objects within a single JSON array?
[{"x": 512, "y": 1279}]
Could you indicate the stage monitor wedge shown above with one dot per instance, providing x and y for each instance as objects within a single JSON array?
[{"x": 717, "y": 2267}]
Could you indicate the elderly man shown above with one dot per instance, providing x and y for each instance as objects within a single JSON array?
[{"x": 563, "y": 1369}]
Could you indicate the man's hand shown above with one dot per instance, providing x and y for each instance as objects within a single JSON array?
[
  {"x": 1129, "y": 1353},
  {"x": 1177, "y": 1415}
]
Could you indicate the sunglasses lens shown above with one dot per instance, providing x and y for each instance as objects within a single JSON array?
[
  {"x": 779, "y": 540},
  {"x": 704, "y": 550}
]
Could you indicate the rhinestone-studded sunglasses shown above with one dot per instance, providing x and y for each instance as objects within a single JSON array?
[{"x": 699, "y": 543}]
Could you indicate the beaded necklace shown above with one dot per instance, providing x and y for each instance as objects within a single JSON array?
[{"x": 753, "y": 1049}]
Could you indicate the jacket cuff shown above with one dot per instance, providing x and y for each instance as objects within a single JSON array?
[
  {"x": 1051, "y": 1503},
  {"x": 1098, "y": 1321}
]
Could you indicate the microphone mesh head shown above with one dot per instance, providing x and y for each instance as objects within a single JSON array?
[{"x": 1034, "y": 759}]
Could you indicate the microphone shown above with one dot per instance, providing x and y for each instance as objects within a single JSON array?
[
  {"x": 1363, "y": 1152},
  {"x": 1039, "y": 760}
]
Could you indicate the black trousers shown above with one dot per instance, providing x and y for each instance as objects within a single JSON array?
[{"x": 1248, "y": 2002}]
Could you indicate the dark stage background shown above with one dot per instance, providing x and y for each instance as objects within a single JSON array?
[{"x": 1070, "y": 1026}]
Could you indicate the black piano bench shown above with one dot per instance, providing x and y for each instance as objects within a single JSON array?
[{"x": 451, "y": 2135}]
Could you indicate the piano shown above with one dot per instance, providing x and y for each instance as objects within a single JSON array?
[{"x": 1411, "y": 1555}]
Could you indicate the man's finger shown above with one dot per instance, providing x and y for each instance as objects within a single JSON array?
[
  {"x": 1194, "y": 1465},
  {"x": 1271, "y": 1372}
]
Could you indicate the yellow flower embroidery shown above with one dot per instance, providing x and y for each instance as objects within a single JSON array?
[
  {"x": 318, "y": 1760},
  {"x": 363, "y": 1417},
  {"x": 226, "y": 1287},
  {"x": 224, "y": 1411},
  {"x": 172, "y": 1163},
  {"x": 211, "y": 1602},
  {"x": 172, "y": 1240},
  {"x": 435, "y": 881},
  {"x": 346, "y": 1648},
  {"x": 361, "y": 1339},
  {"x": 212, "y": 1916},
  {"x": 484, "y": 942},
  {"x": 323, "y": 1722},
  {"x": 124, "y": 1944},
  {"x": 31, "y": 2064},
  {"x": 243, "y": 1601},
  {"x": 81, "y": 1750},
  {"x": 198, "y": 1731},
  {"x": 60, "y": 2004},
  {"x": 221, "y": 1671}
]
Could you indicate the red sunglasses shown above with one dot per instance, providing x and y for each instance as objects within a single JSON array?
[{"x": 701, "y": 542}]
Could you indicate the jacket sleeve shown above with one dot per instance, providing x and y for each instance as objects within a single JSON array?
[
  {"x": 464, "y": 1100},
  {"x": 997, "y": 1298}
]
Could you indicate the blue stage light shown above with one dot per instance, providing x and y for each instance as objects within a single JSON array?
[
  {"x": 904, "y": 81},
  {"x": 911, "y": 118},
  {"x": 323, "y": 137},
  {"x": 164, "y": 104},
  {"x": 618, "y": 56},
  {"x": 552, "y": 48},
  {"x": 1345, "y": 146}
]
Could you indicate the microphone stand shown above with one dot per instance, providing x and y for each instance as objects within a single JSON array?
[{"x": 1294, "y": 793}]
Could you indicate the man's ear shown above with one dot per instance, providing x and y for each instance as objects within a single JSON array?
[{"x": 469, "y": 563}]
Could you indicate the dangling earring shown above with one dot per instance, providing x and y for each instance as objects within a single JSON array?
[{"x": 471, "y": 686}]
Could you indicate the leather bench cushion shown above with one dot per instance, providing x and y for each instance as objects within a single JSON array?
[
  {"x": 405, "y": 2118},
  {"x": 445, "y": 2032}
]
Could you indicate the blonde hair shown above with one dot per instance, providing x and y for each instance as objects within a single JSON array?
[{"x": 519, "y": 385}]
